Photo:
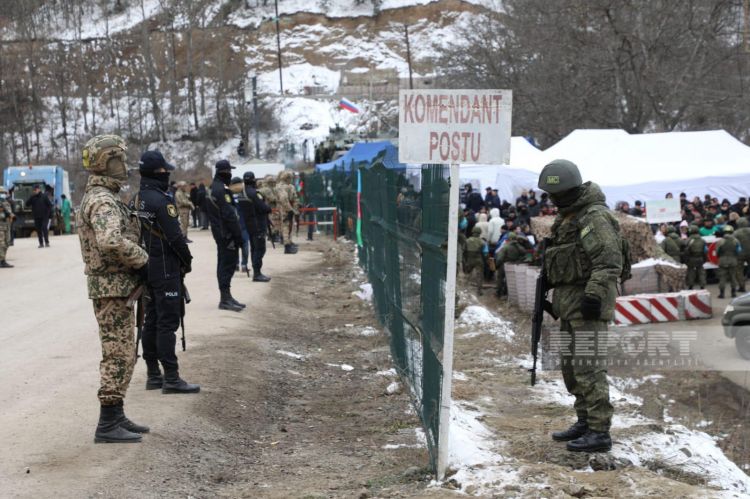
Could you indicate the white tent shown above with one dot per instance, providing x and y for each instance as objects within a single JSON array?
[
  {"x": 647, "y": 166},
  {"x": 258, "y": 167}
]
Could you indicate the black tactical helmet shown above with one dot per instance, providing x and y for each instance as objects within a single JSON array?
[
  {"x": 248, "y": 177},
  {"x": 559, "y": 176}
]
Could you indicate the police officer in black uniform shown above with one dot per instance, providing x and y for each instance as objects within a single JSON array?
[
  {"x": 225, "y": 227},
  {"x": 169, "y": 259},
  {"x": 255, "y": 212}
]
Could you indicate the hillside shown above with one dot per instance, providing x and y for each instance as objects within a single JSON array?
[{"x": 178, "y": 80}]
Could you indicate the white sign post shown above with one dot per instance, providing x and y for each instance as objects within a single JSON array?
[
  {"x": 663, "y": 211},
  {"x": 452, "y": 127}
]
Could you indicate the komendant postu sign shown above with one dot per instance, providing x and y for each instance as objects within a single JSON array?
[{"x": 455, "y": 126}]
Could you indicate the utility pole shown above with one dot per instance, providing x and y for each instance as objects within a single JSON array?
[
  {"x": 278, "y": 46},
  {"x": 408, "y": 56},
  {"x": 256, "y": 118}
]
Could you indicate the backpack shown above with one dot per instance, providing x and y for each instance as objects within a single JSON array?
[{"x": 627, "y": 262}]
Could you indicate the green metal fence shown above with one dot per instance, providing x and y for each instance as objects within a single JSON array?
[{"x": 404, "y": 239}]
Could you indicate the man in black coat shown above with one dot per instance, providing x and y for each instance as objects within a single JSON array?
[
  {"x": 41, "y": 210},
  {"x": 169, "y": 259},
  {"x": 255, "y": 213},
  {"x": 225, "y": 227}
]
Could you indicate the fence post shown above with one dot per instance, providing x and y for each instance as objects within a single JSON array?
[{"x": 450, "y": 310}]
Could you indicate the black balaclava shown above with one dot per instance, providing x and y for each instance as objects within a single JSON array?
[
  {"x": 566, "y": 198},
  {"x": 224, "y": 176},
  {"x": 162, "y": 178}
]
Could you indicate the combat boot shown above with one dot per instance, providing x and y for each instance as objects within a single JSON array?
[
  {"x": 128, "y": 424},
  {"x": 231, "y": 298},
  {"x": 259, "y": 277},
  {"x": 174, "y": 384},
  {"x": 154, "y": 379},
  {"x": 5, "y": 265},
  {"x": 289, "y": 249},
  {"x": 592, "y": 441},
  {"x": 721, "y": 294},
  {"x": 734, "y": 294},
  {"x": 578, "y": 429},
  {"x": 108, "y": 429},
  {"x": 226, "y": 303}
]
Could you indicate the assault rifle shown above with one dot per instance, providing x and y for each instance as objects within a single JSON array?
[
  {"x": 541, "y": 305},
  {"x": 184, "y": 301},
  {"x": 136, "y": 298}
]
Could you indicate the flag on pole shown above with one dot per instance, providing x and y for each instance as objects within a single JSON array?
[{"x": 348, "y": 105}]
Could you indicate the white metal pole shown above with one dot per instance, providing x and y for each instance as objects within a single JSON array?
[{"x": 450, "y": 310}]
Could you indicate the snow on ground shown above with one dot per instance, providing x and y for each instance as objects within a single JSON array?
[
  {"x": 478, "y": 320},
  {"x": 343, "y": 367},
  {"x": 291, "y": 354},
  {"x": 297, "y": 77},
  {"x": 365, "y": 292}
]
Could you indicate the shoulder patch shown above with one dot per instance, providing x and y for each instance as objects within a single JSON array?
[
  {"x": 585, "y": 231},
  {"x": 171, "y": 210},
  {"x": 260, "y": 196},
  {"x": 228, "y": 198}
]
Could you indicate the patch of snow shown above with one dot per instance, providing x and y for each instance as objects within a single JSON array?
[
  {"x": 291, "y": 354},
  {"x": 480, "y": 320},
  {"x": 650, "y": 262},
  {"x": 299, "y": 76},
  {"x": 389, "y": 373},
  {"x": 368, "y": 331},
  {"x": 703, "y": 424},
  {"x": 365, "y": 292},
  {"x": 343, "y": 367},
  {"x": 393, "y": 388},
  {"x": 459, "y": 376}
]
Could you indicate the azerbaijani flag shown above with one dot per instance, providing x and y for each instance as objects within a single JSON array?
[{"x": 348, "y": 105}]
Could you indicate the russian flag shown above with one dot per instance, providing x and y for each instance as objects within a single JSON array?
[{"x": 348, "y": 105}]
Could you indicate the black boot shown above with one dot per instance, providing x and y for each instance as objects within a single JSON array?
[
  {"x": 289, "y": 249},
  {"x": 734, "y": 294},
  {"x": 721, "y": 294},
  {"x": 259, "y": 277},
  {"x": 231, "y": 298},
  {"x": 592, "y": 441},
  {"x": 578, "y": 429},
  {"x": 128, "y": 424},
  {"x": 154, "y": 379},
  {"x": 108, "y": 430},
  {"x": 174, "y": 384},
  {"x": 5, "y": 265},
  {"x": 741, "y": 289},
  {"x": 226, "y": 302}
]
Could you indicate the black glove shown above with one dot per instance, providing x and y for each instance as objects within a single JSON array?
[
  {"x": 591, "y": 307},
  {"x": 143, "y": 273}
]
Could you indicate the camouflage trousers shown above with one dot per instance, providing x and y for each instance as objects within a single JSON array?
[
  {"x": 587, "y": 383},
  {"x": 116, "y": 323},
  {"x": 289, "y": 228},
  {"x": 727, "y": 275},
  {"x": 696, "y": 274},
  {"x": 475, "y": 274},
  {"x": 502, "y": 285},
  {"x": 741, "y": 260},
  {"x": 184, "y": 220},
  {"x": 277, "y": 223},
  {"x": 4, "y": 240}
]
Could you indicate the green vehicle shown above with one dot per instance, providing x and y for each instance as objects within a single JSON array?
[{"x": 736, "y": 323}]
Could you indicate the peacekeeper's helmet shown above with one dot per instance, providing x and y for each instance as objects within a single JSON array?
[
  {"x": 728, "y": 229},
  {"x": 693, "y": 229},
  {"x": 101, "y": 149},
  {"x": 270, "y": 181},
  {"x": 559, "y": 176},
  {"x": 512, "y": 236},
  {"x": 671, "y": 229},
  {"x": 286, "y": 176}
]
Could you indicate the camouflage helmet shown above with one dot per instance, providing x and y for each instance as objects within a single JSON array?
[
  {"x": 100, "y": 149},
  {"x": 512, "y": 235},
  {"x": 476, "y": 231},
  {"x": 285, "y": 176},
  {"x": 693, "y": 229},
  {"x": 671, "y": 229},
  {"x": 728, "y": 229},
  {"x": 742, "y": 222},
  {"x": 559, "y": 176},
  {"x": 269, "y": 180}
]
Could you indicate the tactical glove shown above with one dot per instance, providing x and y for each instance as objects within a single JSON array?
[{"x": 591, "y": 308}]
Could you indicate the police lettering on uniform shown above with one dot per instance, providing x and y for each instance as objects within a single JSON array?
[
  {"x": 255, "y": 213},
  {"x": 169, "y": 259},
  {"x": 225, "y": 228}
]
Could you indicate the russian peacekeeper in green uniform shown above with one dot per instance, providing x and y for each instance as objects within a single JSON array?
[
  {"x": 742, "y": 234},
  {"x": 695, "y": 257},
  {"x": 727, "y": 249},
  {"x": 475, "y": 252},
  {"x": 672, "y": 244},
  {"x": 583, "y": 261},
  {"x": 512, "y": 251}
]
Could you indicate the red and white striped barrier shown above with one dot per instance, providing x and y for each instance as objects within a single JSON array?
[
  {"x": 697, "y": 304},
  {"x": 662, "y": 307},
  {"x": 632, "y": 310}
]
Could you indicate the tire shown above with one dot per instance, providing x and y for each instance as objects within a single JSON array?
[{"x": 742, "y": 342}]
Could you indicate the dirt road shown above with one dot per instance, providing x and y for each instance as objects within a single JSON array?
[{"x": 267, "y": 422}]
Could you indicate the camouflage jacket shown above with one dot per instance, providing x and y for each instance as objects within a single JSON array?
[
  {"x": 6, "y": 213},
  {"x": 109, "y": 235},
  {"x": 512, "y": 251},
  {"x": 269, "y": 195},
  {"x": 585, "y": 255},
  {"x": 672, "y": 246},
  {"x": 742, "y": 235},
  {"x": 182, "y": 200},
  {"x": 695, "y": 250},
  {"x": 727, "y": 249}
]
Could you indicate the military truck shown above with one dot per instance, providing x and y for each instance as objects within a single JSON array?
[{"x": 20, "y": 181}]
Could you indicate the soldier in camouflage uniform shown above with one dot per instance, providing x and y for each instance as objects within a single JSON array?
[
  {"x": 286, "y": 196},
  {"x": 115, "y": 266},
  {"x": 672, "y": 244},
  {"x": 6, "y": 217},
  {"x": 184, "y": 207},
  {"x": 742, "y": 234},
  {"x": 512, "y": 251},
  {"x": 728, "y": 249},
  {"x": 475, "y": 253},
  {"x": 268, "y": 191},
  {"x": 583, "y": 262},
  {"x": 695, "y": 257}
]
